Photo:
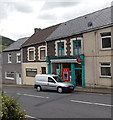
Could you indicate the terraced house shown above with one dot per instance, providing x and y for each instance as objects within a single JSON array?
[
  {"x": 12, "y": 61},
  {"x": 80, "y": 50},
  {"x": 34, "y": 54}
]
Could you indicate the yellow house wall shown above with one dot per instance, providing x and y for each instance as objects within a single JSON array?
[{"x": 37, "y": 65}]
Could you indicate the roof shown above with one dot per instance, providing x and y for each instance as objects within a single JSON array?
[
  {"x": 83, "y": 24},
  {"x": 16, "y": 45},
  {"x": 40, "y": 36}
]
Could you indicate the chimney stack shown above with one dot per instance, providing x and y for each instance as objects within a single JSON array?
[{"x": 36, "y": 30}]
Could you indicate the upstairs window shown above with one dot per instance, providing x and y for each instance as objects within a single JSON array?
[
  {"x": 76, "y": 47},
  {"x": 18, "y": 55},
  {"x": 61, "y": 49},
  {"x": 31, "y": 54},
  {"x": 105, "y": 69},
  {"x": 9, "y": 58},
  {"x": 42, "y": 53},
  {"x": 106, "y": 40}
]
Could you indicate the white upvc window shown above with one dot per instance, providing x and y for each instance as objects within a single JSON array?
[
  {"x": 42, "y": 52},
  {"x": 9, "y": 58},
  {"x": 9, "y": 75},
  {"x": 105, "y": 69},
  {"x": 31, "y": 53},
  {"x": 106, "y": 41},
  {"x": 18, "y": 57}
]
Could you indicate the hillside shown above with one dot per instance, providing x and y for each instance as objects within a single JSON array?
[{"x": 5, "y": 42}]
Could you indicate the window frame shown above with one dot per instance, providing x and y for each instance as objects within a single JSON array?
[
  {"x": 105, "y": 36},
  {"x": 18, "y": 55},
  {"x": 9, "y": 77},
  {"x": 78, "y": 40},
  {"x": 29, "y": 53},
  {"x": 31, "y": 70},
  {"x": 45, "y": 53},
  {"x": 60, "y": 49},
  {"x": 9, "y": 56},
  {"x": 39, "y": 51},
  {"x": 105, "y": 66}
]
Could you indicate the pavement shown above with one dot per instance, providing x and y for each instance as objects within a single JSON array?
[{"x": 79, "y": 89}]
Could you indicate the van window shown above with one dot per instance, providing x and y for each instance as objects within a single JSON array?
[
  {"x": 51, "y": 80},
  {"x": 58, "y": 79}
]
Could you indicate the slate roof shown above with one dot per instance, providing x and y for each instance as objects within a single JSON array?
[
  {"x": 40, "y": 36},
  {"x": 16, "y": 45},
  {"x": 98, "y": 19}
]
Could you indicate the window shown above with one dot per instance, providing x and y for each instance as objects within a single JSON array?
[
  {"x": 76, "y": 47},
  {"x": 31, "y": 54},
  {"x": 106, "y": 40},
  {"x": 9, "y": 58},
  {"x": 18, "y": 55},
  {"x": 51, "y": 80},
  {"x": 61, "y": 49},
  {"x": 105, "y": 69},
  {"x": 42, "y": 53},
  {"x": 9, "y": 75},
  {"x": 31, "y": 72}
]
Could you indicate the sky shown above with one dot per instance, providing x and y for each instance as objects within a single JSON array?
[{"x": 18, "y": 18}]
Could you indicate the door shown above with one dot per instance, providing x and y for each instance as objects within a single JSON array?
[
  {"x": 78, "y": 80},
  {"x": 51, "y": 84},
  {"x": 43, "y": 70},
  {"x": 18, "y": 78}
]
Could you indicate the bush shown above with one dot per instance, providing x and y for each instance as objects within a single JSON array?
[{"x": 11, "y": 109}]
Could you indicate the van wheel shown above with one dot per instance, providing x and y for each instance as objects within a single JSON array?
[
  {"x": 59, "y": 90},
  {"x": 38, "y": 88}
]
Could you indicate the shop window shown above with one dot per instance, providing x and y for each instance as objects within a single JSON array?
[
  {"x": 105, "y": 41},
  {"x": 9, "y": 75},
  {"x": 31, "y": 72},
  {"x": 42, "y": 53},
  {"x": 105, "y": 69},
  {"x": 61, "y": 49},
  {"x": 76, "y": 47},
  {"x": 18, "y": 55},
  {"x": 9, "y": 58},
  {"x": 31, "y": 54}
]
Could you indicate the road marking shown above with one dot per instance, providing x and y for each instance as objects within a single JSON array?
[
  {"x": 32, "y": 95},
  {"x": 107, "y": 105},
  {"x": 28, "y": 116}
]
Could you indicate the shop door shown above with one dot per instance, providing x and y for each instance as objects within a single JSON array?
[{"x": 78, "y": 80}]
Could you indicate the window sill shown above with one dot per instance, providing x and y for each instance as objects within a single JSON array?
[
  {"x": 9, "y": 78},
  {"x": 106, "y": 49},
  {"x": 105, "y": 77}
]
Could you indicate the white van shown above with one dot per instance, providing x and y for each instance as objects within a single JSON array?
[{"x": 52, "y": 82}]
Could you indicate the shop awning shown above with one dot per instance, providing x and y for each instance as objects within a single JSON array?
[{"x": 64, "y": 61}]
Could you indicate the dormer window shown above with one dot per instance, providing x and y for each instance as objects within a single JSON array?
[{"x": 31, "y": 54}]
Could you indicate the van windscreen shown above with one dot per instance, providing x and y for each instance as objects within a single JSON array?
[{"x": 58, "y": 79}]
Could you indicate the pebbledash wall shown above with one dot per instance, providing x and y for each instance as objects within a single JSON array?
[{"x": 94, "y": 56}]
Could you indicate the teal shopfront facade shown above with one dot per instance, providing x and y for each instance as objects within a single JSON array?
[{"x": 73, "y": 66}]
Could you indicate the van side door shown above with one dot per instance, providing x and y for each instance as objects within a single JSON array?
[{"x": 51, "y": 84}]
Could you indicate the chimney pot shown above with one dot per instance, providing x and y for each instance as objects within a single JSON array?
[{"x": 36, "y": 30}]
